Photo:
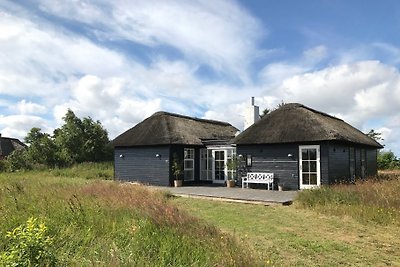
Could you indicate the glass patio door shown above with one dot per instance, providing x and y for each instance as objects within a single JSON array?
[
  {"x": 219, "y": 173},
  {"x": 309, "y": 166}
]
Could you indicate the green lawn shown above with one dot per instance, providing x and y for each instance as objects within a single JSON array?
[{"x": 290, "y": 236}]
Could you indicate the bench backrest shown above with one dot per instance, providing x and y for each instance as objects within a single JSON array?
[{"x": 260, "y": 176}]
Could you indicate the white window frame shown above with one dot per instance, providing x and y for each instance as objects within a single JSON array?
[
  {"x": 185, "y": 153},
  {"x": 318, "y": 157},
  {"x": 207, "y": 169},
  {"x": 214, "y": 167}
]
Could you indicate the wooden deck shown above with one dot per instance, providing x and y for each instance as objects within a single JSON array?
[{"x": 243, "y": 195}]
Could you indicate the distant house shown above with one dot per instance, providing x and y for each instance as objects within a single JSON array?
[
  {"x": 304, "y": 148},
  {"x": 8, "y": 145},
  {"x": 145, "y": 152}
]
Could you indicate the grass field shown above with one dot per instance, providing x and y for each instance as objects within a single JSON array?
[
  {"x": 290, "y": 236},
  {"x": 95, "y": 222},
  {"x": 92, "y": 222},
  {"x": 350, "y": 225}
]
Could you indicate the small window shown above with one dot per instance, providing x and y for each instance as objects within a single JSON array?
[
  {"x": 188, "y": 164},
  {"x": 249, "y": 161}
]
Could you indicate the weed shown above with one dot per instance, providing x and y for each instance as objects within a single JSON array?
[
  {"x": 374, "y": 200},
  {"x": 28, "y": 245}
]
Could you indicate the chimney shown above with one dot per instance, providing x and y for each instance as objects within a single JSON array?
[{"x": 252, "y": 114}]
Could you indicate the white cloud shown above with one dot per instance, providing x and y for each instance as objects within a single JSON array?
[
  {"x": 19, "y": 125},
  {"x": 220, "y": 34},
  {"x": 23, "y": 107},
  {"x": 38, "y": 60},
  {"x": 358, "y": 91}
]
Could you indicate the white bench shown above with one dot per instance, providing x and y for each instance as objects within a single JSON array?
[{"x": 258, "y": 178}]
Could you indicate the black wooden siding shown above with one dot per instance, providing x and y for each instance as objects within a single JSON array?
[
  {"x": 141, "y": 164},
  {"x": 334, "y": 161},
  {"x": 324, "y": 162},
  {"x": 274, "y": 158},
  {"x": 372, "y": 168},
  {"x": 339, "y": 162}
]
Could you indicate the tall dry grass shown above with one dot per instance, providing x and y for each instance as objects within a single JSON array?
[
  {"x": 94, "y": 222},
  {"x": 375, "y": 200}
]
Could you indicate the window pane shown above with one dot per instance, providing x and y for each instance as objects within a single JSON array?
[
  {"x": 313, "y": 154},
  {"x": 189, "y": 153},
  {"x": 219, "y": 165},
  {"x": 209, "y": 166},
  {"x": 313, "y": 179},
  {"x": 188, "y": 174},
  {"x": 209, "y": 174},
  {"x": 188, "y": 164},
  {"x": 203, "y": 164},
  {"x": 304, "y": 154},
  {"x": 305, "y": 166},
  {"x": 306, "y": 179},
  {"x": 313, "y": 166},
  {"x": 203, "y": 153}
]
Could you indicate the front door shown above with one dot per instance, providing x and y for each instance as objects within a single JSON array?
[
  {"x": 309, "y": 166},
  {"x": 219, "y": 173}
]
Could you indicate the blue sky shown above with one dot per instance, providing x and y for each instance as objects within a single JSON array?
[{"x": 121, "y": 61}]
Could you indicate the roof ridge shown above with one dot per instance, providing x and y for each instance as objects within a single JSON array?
[
  {"x": 296, "y": 105},
  {"x": 158, "y": 113}
]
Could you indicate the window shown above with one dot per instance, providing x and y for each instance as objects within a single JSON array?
[
  {"x": 231, "y": 163},
  {"x": 249, "y": 161},
  {"x": 219, "y": 171},
  {"x": 205, "y": 164},
  {"x": 188, "y": 164},
  {"x": 309, "y": 166}
]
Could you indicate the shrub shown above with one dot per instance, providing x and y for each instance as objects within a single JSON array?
[
  {"x": 28, "y": 246},
  {"x": 18, "y": 160},
  {"x": 4, "y": 165}
]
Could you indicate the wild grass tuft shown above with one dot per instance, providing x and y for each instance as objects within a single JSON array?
[
  {"x": 95, "y": 222},
  {"x": 87, "y": 170},
  {"x": 374, "y": 200}
]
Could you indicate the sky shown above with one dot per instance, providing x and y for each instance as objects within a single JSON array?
[{"x": 120, "y": 61}]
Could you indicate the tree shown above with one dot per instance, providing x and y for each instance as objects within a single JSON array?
[
  {"x": 42, "y": 149},
  {"x": 280, "y": 104},
  {"x": 81, "y": 140},
  {"x": 96, "y": 141},
  {"x": 377, "y": 136},
  {"x": 18, "y": 160},
  {"x": 69, "y": 139},
  {"x": 387, "y": 160},
  {"x": 265, "y": 112}
]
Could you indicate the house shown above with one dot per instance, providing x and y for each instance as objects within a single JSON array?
[
  {"x": 8, "y": 145},
  {"x": 302, "y": 147},
  {"x": 305, "y": 148},
  {"x": 145, "y": 153}
]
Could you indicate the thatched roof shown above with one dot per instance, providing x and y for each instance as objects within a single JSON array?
[
  {"x": 164, "y": 128},
  {"x": 8, "y": 145},
  {"x": 297, "y": 123}
]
